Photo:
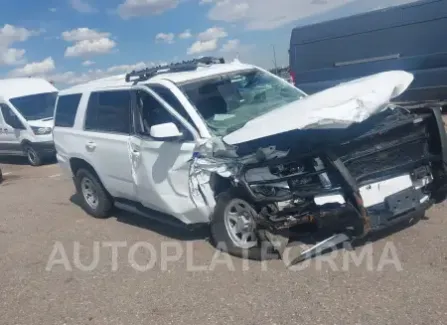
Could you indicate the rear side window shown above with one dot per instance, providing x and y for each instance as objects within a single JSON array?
[
  {"x": 109, "y": 111},
  {"x": 66, "y": 109}
]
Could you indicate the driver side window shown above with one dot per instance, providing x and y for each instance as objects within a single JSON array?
[
  {"x": 151, "y": 112},
  {"x": 11, "y": 118}
]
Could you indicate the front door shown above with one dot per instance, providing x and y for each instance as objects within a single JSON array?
[
  {"x": 161, "y": 167},
  {"x": 10, "y": 131}
]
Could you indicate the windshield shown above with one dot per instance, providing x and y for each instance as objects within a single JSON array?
[
  {"x": 229, "y": 101},
  {"x": 35, "y": 107}
]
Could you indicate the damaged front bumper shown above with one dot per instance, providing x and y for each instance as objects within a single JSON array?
[
  {"x": 379, "y": 179},
  {"x": 359, "y": 190}
]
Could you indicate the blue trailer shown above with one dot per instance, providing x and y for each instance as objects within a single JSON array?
[{"x": 411, "y": 37}]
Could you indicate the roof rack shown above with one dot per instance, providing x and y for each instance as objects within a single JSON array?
[{"x": 191, "y": 65}]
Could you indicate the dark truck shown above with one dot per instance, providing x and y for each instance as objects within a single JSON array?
[{"x": 408, "y": 37}]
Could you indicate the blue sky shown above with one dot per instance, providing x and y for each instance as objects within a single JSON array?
[{"x": 73, "y": 41}]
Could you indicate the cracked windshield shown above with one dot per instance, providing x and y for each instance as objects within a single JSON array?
[{"x": 231, "y": 100}]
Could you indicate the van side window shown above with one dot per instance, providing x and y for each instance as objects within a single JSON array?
[
  {"x": 66, "y": 109},
  {"x": 109, "y": 111},
  {"x": 11, "y": 118},
  {"x": 152, "y": 112}
]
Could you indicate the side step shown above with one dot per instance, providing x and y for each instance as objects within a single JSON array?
[{"x": 147, "y": 213}]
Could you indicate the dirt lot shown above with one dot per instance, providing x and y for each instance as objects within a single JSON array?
[{"x": 38, "y": 210}]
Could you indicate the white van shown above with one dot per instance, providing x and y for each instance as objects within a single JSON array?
[{"x": 26, "y": 118}]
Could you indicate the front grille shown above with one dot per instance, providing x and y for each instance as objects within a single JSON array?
[{"x": 386, "y": 153}]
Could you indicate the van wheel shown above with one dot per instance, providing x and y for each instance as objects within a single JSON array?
[
  {"x": 34, "y": 159},
  {"x": 233, "y": 229},
  {"x": 94, "y": 198}
]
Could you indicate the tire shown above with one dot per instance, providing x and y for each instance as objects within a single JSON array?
[
  {"x": 1, "y": 176},
  {"x": 100, "y": 203},
  {"x": 222, "y": 239},
  {"x": 34, "y": 159}
]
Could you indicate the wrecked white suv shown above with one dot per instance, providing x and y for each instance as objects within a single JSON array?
[{"x": 236, "y": 147}]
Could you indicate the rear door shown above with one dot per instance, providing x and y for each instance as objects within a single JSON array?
[{"x": 107, "y": 129}]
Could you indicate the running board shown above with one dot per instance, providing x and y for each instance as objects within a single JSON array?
[{"x": 150, "y": 214}]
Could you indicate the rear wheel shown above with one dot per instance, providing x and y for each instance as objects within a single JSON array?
[
  {"x": 94, "y": 198},
  {"x": 234, "y": 230},
  {"x": 34, "y": 159}
]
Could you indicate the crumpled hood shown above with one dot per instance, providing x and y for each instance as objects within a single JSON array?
[{"x": 336, "y": 107}]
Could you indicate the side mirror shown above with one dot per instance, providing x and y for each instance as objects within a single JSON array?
[{"x": 165, "y": 130}]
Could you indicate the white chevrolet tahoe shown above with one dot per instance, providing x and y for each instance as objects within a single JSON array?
[{"x": 236, "y": 147}]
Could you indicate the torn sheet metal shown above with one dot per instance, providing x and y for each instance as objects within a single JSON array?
[
  {"x": 213, "y": 156},
  {"x": 336, "y": 107}
]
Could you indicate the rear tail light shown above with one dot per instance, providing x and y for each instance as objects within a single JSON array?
[{"x": 292, "y": 77}]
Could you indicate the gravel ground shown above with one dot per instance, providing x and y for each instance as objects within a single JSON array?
[{"x": 38, "y": 209}]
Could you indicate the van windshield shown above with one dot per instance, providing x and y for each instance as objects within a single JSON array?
[
  {"x": 228, "y": 101},
  {"x": 35, "y": 107}
]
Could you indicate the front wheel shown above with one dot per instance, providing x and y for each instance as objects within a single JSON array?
[
  {"x": 34, "y": 159},
  {"x": 233, "y": 229}
]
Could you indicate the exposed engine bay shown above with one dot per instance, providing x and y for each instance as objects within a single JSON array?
[{"x": 346, "y": 181}]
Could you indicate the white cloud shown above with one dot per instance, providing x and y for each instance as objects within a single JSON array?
[
  {"x": 202, "y": 47},
  {"x": 117, "y": 69},
  {"x": 167, "y": 38},
  {"x": 83, "y": 34},
  {"x": 35, "y": 68},
  {"x": 73, "y": 78},
  {"x": 82, "y": 6},
  {"x": 87, "y": 63},
  {"x": 9, "y": 35},
  {"x": 230, "y": 46},
  {"x": 207, "y": 41},
  {"x": 135, "y": 8},
  {"x": 212, "y": 34},
  {"x": 11, "y": 56},
  {"x": 87, "y": 42},
  {"x": 185, "y": 35},
  {"x": 90, "y": 47},
  {"x": 263, "y": 15},
  {"x": 63, "y": 78},
  {"x": 204, "y": 2},
  {"x": 52, "y": 9}
]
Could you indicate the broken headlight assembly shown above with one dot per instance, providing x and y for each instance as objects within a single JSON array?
[{"x": 285, "y": 181}]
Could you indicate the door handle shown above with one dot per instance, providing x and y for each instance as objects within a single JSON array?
[{"x": 90, "y": 145}]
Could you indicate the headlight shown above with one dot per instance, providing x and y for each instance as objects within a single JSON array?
[{"x": 41, "y": 130}]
